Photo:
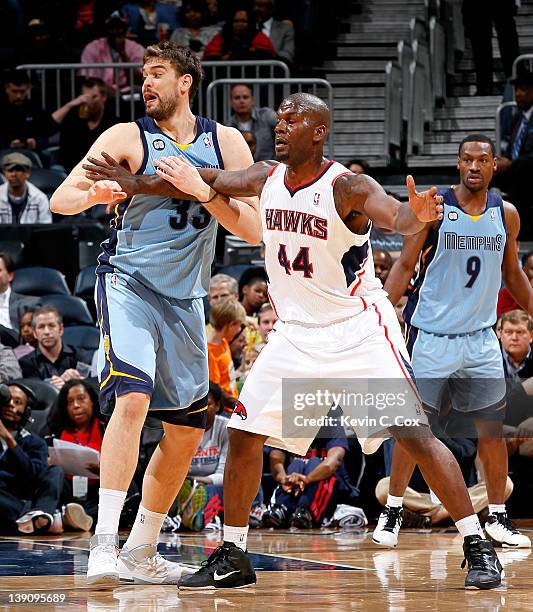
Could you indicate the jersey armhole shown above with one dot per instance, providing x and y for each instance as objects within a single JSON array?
[
  {"x": 272, "y": 170},
  {"x": 142, "y": 167}
]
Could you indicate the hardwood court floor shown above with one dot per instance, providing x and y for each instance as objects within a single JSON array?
[{"x": 318, "y": 570}]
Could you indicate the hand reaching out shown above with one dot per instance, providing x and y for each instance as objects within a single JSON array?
[
  {"x": 427, "y": 205},
  {"x": 106, "y": 192},
  {"x": 184, "y": 176}
]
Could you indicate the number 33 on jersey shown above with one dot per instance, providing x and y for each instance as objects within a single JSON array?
[{"x": 319, "y": 271}]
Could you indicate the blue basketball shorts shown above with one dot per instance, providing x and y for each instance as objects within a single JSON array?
[
  {"x": 152, "y": 344},
  {"x": 468, "y": 366}
]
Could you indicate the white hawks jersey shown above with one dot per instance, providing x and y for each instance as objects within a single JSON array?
[{"x": 319, "y": 271}]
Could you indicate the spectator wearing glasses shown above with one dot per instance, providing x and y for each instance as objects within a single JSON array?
[
  {"x": 20, "y": 201},
  {"x": 228, "y": 319}
]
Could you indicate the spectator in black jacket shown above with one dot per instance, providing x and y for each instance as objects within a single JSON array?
[
  {"x": 52, "y": 360},
  {"x": 29, "y": 487},
  {"x": 25, "y": 124}
]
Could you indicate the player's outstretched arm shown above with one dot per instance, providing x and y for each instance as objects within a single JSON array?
[
  {"x": 404, "y": 267},
  {"x": 514, "y": 277},
  {"x": 78, "y": 193},
  {"x": 359, "y": 192}
]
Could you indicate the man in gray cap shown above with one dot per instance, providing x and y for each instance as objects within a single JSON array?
[{"x": 20, "y": 201}]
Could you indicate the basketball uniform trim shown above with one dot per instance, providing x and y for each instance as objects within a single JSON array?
[
  {"x": 272, "y": 170},
  {"x": 145, "y": 147},
  {"x": 317, "y": 177},
  {"x": 115, "y": 368}
]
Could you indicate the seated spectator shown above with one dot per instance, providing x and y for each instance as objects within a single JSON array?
[
  {"x": 506, "y": 301},
  {"x": 253, "y": 290},
  {"x": 228, "y": 318},
  {"x": 359, "y": 166},
  {"x": 82, "y": 120},
  {"x": 201, "y": 496},
  {"x": 307, "y": 486},
  {"x": 382, "y": 264},
  {"x": 20, "y": 200},
  {"x": 515, "y": 167},
  {"x": 75, "y": 417},
  {"x": 248, "y": 118},
  {"x": 25, "y": 124},
  {"x": 12, "y": 305},
  {"x": 194, "y": 33},
  {"x": 115, "y": 48},
  {"x": 38, "y": 46},
  {"x": 251, "y": 141},
  {"x": 222, "y": 287},
  {"x": 143, "y": 21},
  {"x": 28, "y": 342},
  {"x": 266, "y": 318},
  {"x": 52, "y": 360},
  {"x": 280, "y": 33},
  {"x": 216, "y": 13},
  {"x": 29, "y": 488},
  {"x": 239, "y": 40},
  {"x": 516, "y": 336}
]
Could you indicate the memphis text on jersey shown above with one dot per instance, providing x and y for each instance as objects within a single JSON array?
[
  {"x": 296, "y": 222},
  {"x": 457, "y": 242}
]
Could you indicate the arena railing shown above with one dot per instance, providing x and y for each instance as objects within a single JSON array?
[
  {"x": 59, "y": 82},
  {"x": 269, "y": 92}
]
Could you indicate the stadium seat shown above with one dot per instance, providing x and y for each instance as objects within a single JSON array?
[
  {"x": 14, "y": 248},
  {"x": 73, "y": 309},
  {"x": 88, "y": 252},
  {"x": 82, "y": 336},
  {"x": 39, "y": 281},
  {"x": 47, "y": 180},
  {"x": 85, "y": 282},
  {"x": 234, "y": 271},
  {"x": 46, "y": 396}
]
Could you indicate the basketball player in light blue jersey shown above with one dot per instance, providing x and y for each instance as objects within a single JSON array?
[
  {"x": 152, "y": 275},
  {"x": 449, "y": 318}
]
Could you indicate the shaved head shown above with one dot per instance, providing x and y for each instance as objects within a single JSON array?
[{"x": 311, "y": 105}]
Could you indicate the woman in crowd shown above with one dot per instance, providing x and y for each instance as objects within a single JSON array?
[
  {"x": 194, "y": 34},
  {"x": 240, "y": 40}
]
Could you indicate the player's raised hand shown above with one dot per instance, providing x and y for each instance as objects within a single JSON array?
[
  {"x": 105, "y": 192},
  {"x": 427, "y": 205},
  {"x": 183, "y": 176}
]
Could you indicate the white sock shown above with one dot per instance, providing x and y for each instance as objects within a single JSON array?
[
  {"x": 146, "y": 528},
  {"x": 110, "y": 504},
  {"x": 469, "y": 526},
  {"x": 394, "y": 502},
  {"x": 236, "y": 535},
  {"x": 493, "y": 508}
]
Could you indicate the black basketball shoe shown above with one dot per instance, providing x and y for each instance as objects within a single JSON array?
[
  {"x": 484, "y": 568},
  {"x": 228, "y": 567},
  {"x": 302, "y": 518},
  {"x": 275, "y": 516}
]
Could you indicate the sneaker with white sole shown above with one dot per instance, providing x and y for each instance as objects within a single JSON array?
[
  {"x": 102, "y": 567},
  {"x": 75, "y": 517},
  {"x": 501, "y": 532},
  {"x": 144, "y": 565},
  {"x": 388, "y": 527}
]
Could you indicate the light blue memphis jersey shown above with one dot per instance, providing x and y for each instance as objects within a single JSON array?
[
  {"x": 456, "y": 290},
  {"x": 165, "y": 243}
]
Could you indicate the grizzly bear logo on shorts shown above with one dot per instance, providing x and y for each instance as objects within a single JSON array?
[{"x": 240, "y": 410}]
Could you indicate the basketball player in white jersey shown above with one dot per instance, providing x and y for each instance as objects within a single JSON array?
[{"x": 335, "y": 320}]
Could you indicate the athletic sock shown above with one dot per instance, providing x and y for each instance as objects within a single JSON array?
[
  {"x": 110, "y": 504},
  {"x": 236, "y": 535},
  {"x": 469, "y": 526},
  {"x": 145, "y": 529},
  {"x": 493, "y": 508},
  {"x": 394, "y": 502}
]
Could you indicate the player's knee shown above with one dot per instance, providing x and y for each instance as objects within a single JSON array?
[
  {"x": 132, "y": 407},
  {"x": 414, "y": 440}
]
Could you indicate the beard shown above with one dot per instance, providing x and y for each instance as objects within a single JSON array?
[{"x": 163, "y": 110}]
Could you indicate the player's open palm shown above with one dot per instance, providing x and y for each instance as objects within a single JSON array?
[
  {"x": 106, "y": 192},
  {"x": 426, "y": 205},
  {"x": 183, "y": 176}
]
